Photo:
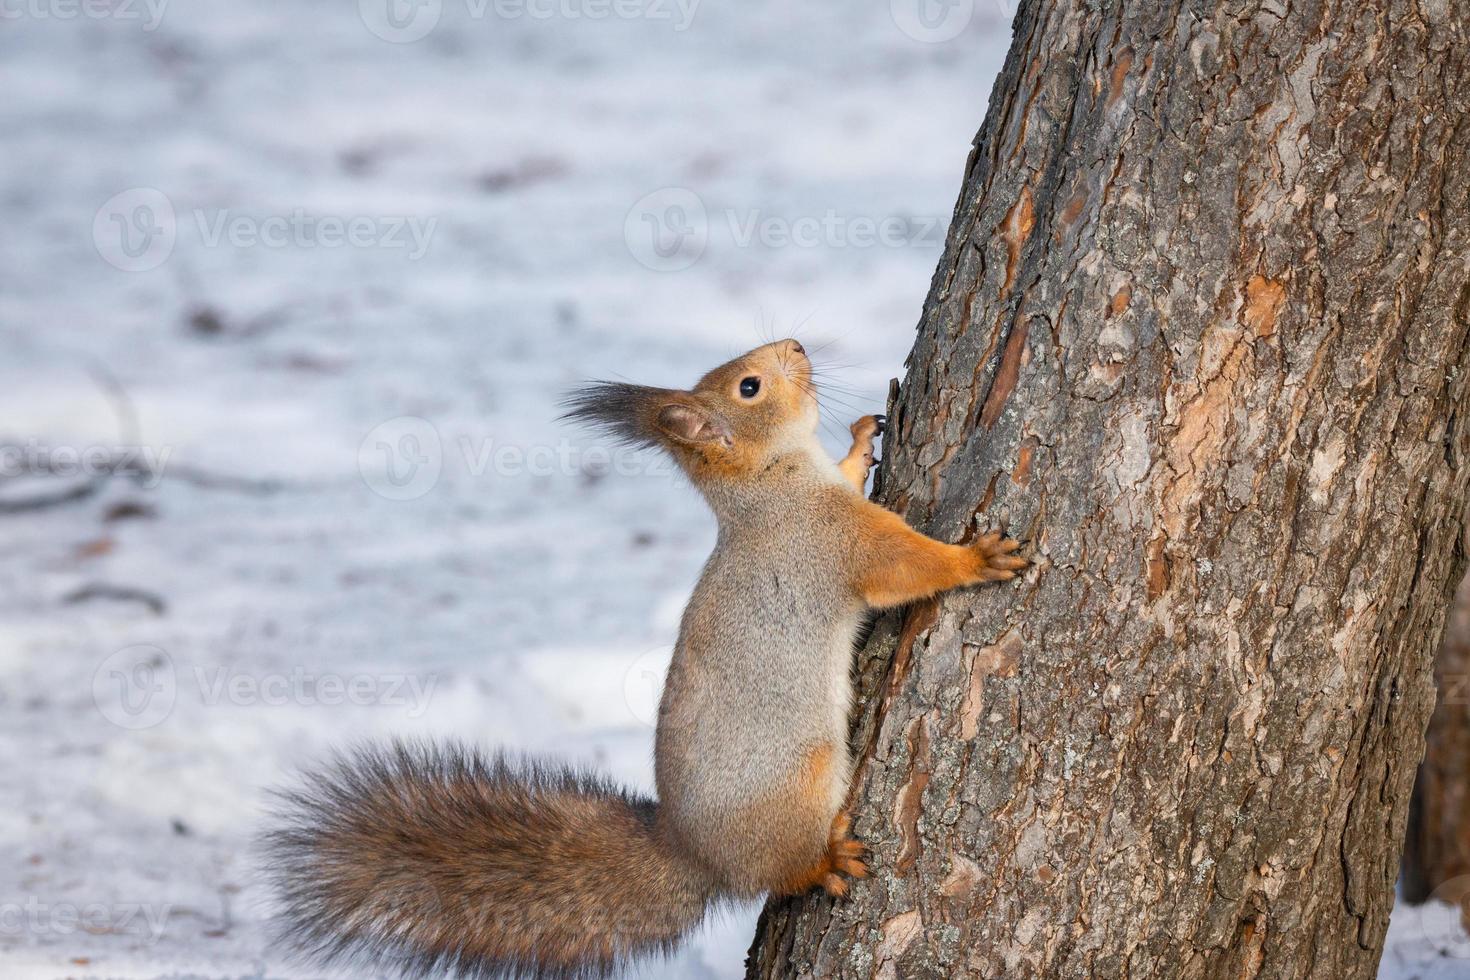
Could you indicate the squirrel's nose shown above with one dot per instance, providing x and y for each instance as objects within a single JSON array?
[{"x": 796, "y": 347}]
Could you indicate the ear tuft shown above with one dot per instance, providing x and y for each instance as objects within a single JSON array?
[
  {"x": 690, "y": 424},
  {"x": 621, "y": 410}
]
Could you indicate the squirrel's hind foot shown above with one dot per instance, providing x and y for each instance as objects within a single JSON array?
[{"x": 844, "y": 857}]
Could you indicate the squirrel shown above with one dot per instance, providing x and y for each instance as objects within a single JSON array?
[{"x": 438, "y": 859}]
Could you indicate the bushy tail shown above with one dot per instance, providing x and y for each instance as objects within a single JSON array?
[{"x": 437, "y": 860}]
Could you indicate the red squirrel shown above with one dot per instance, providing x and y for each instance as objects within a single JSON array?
[{"x": 437, "y": 859}]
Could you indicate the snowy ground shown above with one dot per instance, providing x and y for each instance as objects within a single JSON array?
[{"x": 308, "y": 279}]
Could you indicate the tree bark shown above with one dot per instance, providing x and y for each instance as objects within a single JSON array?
[
  {"x": 1437, "y": 847},
  {"x": 1198, "y": 333}
]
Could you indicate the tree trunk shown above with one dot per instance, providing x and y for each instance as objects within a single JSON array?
[
  {"x": 1437, "y": 848},
  {"x": 1198, "y": 334}
]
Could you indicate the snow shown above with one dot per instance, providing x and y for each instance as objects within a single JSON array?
[{"x": 321, "y": 292}]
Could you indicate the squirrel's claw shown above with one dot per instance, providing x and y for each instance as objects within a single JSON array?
[
  {"x": 998, "y": 561},
  {"x": 867, "y": 427}
]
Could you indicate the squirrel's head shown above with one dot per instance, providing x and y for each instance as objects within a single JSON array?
[{"x": 729, "y": 423}]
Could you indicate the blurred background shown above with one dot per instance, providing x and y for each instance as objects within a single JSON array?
[{"x": 288, "y": 295}]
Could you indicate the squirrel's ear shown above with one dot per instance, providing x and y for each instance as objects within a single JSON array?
[{"x": 692, "y": 424}]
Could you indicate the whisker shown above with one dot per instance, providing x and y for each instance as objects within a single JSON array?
[
  {"x": 830, "y": 366},
  {"x": 834, "y": 390},
  {"x": 838, "y": 339},
  {"x": 822, "y": 381},
  {"x": 831, "y": 405},
  {"x": 839, "y": 395},
  {"x": 762, "y": 332},
  {"x": 797, "y": 327},
  {"x": 861, "y": 394},
  {"x": 855, "y": 411},
  {"x": 837, "y": 428}
]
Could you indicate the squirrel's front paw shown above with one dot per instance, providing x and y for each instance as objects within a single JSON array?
[
  {"x": 864, "y": 431},
  {"x": 867, "y": 428},
  {"x": 860, "y": 457},
  {"x": 996, "y": 558}
]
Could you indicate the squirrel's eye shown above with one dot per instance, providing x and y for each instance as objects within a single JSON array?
[{"x": 750, "y": 387}]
